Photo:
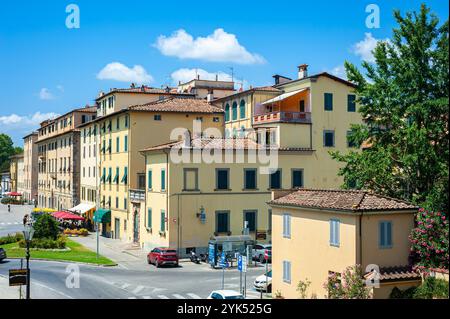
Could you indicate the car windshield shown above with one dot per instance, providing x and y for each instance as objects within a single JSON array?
[
  {"x": 169, "y": 251},
  {"x": 235, "y": 297}
]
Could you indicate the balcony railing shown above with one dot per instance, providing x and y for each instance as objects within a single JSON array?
[
  {"x": 137, "y": 195},
  {"x": 290, "y": 117}
]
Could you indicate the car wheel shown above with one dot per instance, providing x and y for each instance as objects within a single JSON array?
[
  {"x": 157, "y": 263},
  {"x": 269, "y": 288},
  {"x": 261, "y": 259}
]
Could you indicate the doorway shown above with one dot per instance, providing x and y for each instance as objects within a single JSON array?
[
  {"x": 116, "y": 228},
  {"x": 136, "y": 227}
]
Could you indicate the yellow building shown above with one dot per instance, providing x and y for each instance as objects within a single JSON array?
[
  {"x": 59, "y": 159},
  {"x": 16, "y": 172},
  {"x": 188, "y": 202},
  {"x": 122, "y": 135},
  {"x": 30, "y": 191},
  {"x": 204, "y": 88},
  {"x": 321, "y": 232}
]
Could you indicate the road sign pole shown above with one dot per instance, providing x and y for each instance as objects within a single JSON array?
[
  {"x": 223, "y": 278},
  {"x": 97, "y": 241}
]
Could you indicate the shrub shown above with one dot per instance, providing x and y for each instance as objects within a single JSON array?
[
  {"x": 11, "y": 239},
  {"x": 45, "y": 243},
  {"x": 396, "y": 293},
  {"x": 302, "y": 287},
  {"x": 432, "y": 288},
  {"x": 429, "y": 240},
  {"x": 46, "y": 227},
  {"x": 12, "y": 201},
  {"x": 350, "y": 286}
]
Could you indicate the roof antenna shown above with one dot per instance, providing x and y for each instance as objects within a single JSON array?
[{"x": 232, "y": 74}]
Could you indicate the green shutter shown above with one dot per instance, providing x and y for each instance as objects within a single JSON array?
[
  {"x": 163, "y": 221},
  {"x": 149, "y": 218},
  {"x": 163, "y": 180},
  {"x": 351, "y": 103},
  {"x": 328, "y": 102},
  {"x": 150, "y": 180},
  {"x": 242, "y": 110}
]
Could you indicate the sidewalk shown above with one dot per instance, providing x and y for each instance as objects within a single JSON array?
[
  {"x": 122, "y": 253},
  {"x": 7, "y": 292}
]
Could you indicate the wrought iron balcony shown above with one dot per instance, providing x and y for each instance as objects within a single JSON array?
[
  {"x": 288, "y": 117},
  {"x": 137, "y": 195}
]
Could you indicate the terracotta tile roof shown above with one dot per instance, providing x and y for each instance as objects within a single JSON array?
[
  {"x": 397, "y": 273},
  {"x": 213, "y": 143},
  {"x": 86, "y": 109},
  {"x": 346, "y": 200},
  {"x": 260, "y": 88},
  {"x": 145, "y": 90},
  {"x": 184, "y": 105}
]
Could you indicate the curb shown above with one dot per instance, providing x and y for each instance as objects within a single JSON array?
[{"x": 64, "y": 261}]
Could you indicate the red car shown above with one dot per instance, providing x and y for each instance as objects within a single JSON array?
[{"x": 163, "y": 256}]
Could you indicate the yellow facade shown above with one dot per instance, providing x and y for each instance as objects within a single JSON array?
[
  {"x": 59, "y": 155},
  {"x": 141, "y": 130},
  {"x": 30, "y": 167},
  {"x": 312, "y": 257}
]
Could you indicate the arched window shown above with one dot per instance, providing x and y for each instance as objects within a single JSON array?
[
  {"x": 242, "y": 110},
  {"x": 234, "y": 111},
  {"x": 227, "y": 112}
]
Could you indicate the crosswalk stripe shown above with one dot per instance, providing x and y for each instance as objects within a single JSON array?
[
  {"x": 138, "y": 289},
  {"x": 125, "y": 286},
  {"x": 178, "y": 296},
  {"x": 194, "y": 296},
  {"x": 162, "y": 297}
]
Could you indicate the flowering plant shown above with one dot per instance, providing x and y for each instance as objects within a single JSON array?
[
  {"x": 429, "y": 240},
  {"x": 350, "y": 285}
]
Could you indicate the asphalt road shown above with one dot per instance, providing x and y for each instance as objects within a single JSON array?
[{"x": 136, "y": 281}]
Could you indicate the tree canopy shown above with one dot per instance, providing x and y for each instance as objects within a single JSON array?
[
  {"x": 7, "y": 150},
  {"x": 403, "y": 100}
]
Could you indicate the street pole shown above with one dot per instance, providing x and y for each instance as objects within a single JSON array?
[
  {"x": 97, "y": 240},
  {"x": 28, "y": 269},
  {"x": 245, "y": 285},
  {"x": 223, "y": 277}
]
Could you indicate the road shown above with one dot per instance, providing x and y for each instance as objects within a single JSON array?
[{"x": 132, "y": 279}]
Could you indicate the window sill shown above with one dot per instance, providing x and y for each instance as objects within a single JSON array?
[
  {"x": 250, "y": 189},
  {"x": 222, "y": 190},
  {"x": 191, "y": 190}
]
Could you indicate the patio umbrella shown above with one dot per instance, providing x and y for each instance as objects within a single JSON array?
[
  {"x": 67, "y": 216},
  {"x": 14, "y": 194}
]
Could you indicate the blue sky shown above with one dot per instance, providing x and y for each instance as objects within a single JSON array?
[{"x": 46, "y": 68}]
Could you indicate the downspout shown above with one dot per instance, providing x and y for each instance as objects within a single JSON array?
[{"x": 360, "y": 239}]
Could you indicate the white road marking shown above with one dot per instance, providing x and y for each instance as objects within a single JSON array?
[
  {"x": 138, "y": 289},
  {"x": 125, "y": 286},
  {"x": 162, "y": 297},
  {"x": 178, "y": 296},
  {"x": 132, "y": 298},
  {"x": 147, "y": 297},
  {"x": 194, "y": 296}
]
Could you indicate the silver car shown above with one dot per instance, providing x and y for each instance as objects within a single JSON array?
[{"x": 259, "y": 251}]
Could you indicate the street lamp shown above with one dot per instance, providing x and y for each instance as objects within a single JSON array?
[{"x": 28, "y": 235}]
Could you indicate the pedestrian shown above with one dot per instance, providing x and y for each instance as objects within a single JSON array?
[
  {"x": 9, "y": 207},
  {"x": 25, "y": 219}
]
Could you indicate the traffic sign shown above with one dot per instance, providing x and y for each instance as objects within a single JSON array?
[
  {"x": 223, "y": 261},
  {"x": 18, "y": 277},
  {"x": 266, "y": 254},
  {"x": 239, "y": 260}
]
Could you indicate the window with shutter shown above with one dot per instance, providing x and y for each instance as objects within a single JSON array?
[{"x": 385, "y": 234}]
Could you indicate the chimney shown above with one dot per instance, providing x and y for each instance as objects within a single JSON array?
[
  {"x": 302, "y": 71},
  {"x": 132, "y": 85},
  {"x": 210, "y": 97},
  {"x": 217, "y": 77},
  {"x": 198, "y": 77}
]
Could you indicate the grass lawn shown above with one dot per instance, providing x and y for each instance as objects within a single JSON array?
[{"x": 77, "y": 253}]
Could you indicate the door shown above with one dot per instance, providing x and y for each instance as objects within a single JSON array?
[
  {"x": 136, "y": 227},
  {"x": 117, "y": 228}
]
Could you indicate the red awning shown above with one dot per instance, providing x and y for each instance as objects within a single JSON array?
[
  {"x": 67, "y": 216},
  {"x": 14, "y": 194}
]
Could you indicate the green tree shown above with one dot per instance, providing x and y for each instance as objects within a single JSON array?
[
  {"x": 7, "y": 150},
  {"x": 46, "y": 227},
  {"x": 403, "y": 100}
]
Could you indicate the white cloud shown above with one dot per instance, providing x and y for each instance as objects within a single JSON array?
[
  {"x": 29, "y": 121},
  {"x": 339, "y": 71},
  {"x": 364, "y": 49},
  {"x": 219, "y": 46},
  {"x": 118, "y": 72},
  {"x": 45, "y": 94}
]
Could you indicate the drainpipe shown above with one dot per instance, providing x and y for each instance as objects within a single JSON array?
[{"x": 360, "y": 239}]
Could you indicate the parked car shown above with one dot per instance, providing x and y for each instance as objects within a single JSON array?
[
  {"x": 225, "y": 294},
  {"x": 163, "y": 256},
  {"x": 260, "y": 250},
  {"x": 2, "y": 254},
  {"x": 264, "y": 282}
]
